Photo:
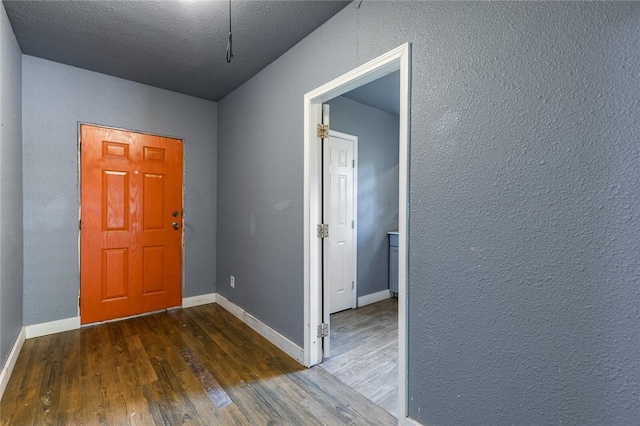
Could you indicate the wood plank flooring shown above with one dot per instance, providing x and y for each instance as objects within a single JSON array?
[
  {"x": 171, "y": 369},
  {"x": 364, "y": 351}
]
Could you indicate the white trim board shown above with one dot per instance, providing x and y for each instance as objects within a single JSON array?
[
  {"x": 59, "y": 326},
  {"x": 5, "y": 375},
  {"x": 203, "y": 299},
  {"x": 368, "y": 299},
  {"x": 52, "y": 327},
  {"x": 278, "y": 340}
]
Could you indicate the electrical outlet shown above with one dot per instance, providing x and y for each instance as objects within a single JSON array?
[{"x": 233, "y": 281}]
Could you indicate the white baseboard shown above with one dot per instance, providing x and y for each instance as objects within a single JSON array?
[
  {"x": 373, "y": 298},
  {"x": 52, "y": 327},
  {"x": 281, "y": 342},
  {"x": 411, "y": 422},
  {"x": 203, "y": 299},
  {"x": 11, "y": 361},
  {"x": 59, "y": 326},
  {"x": 231, "y": 307}
]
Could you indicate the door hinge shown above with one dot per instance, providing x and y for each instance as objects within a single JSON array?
[
  {"x": 323, "y": 330},
  {"x": 80, "y": 224},
  {"x": 353, "y": 224},
  {"x": 323, "y": 131},
  {"x": 323, "y": 230},
  {"x": 353, "y": 164},
  {"x": 353, "y": 286}
]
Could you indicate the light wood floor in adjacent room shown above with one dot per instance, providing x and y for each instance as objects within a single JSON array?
[
  {"x": 364, "y": 351},
  {"x": 194, "y": 366}
]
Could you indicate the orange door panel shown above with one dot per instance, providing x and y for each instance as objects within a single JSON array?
[{"x": 131, "y": 217}]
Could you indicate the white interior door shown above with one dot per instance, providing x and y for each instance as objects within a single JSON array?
[{"x": 338, "y": 213}]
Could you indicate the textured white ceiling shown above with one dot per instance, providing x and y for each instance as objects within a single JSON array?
[{"x": 175, "y": 45}]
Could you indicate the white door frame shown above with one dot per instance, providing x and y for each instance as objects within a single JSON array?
[{"x": 397, "y": 59}]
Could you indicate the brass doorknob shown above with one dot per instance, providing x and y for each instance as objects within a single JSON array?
[{"x": 175, "y": 225}]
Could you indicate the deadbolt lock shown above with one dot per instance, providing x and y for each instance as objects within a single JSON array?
[{"x": 175, "y": 213}]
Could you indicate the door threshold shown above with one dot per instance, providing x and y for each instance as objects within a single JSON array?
[{"x": 144, "y": 314}]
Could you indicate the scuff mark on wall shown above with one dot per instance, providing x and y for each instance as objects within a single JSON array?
[
  {"x": 282, "y": 205},
  {"x": 47, "y": 215},
  {"x": 252, "y": 223}
]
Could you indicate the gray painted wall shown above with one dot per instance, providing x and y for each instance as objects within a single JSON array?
[
  {"x": 10, "y": 188},
  {"x": 377, "y": 133},
  {"x": 260, "y": 178},
  {"x": 56, "y": 97},
  {"x": 524, "y": 234}
]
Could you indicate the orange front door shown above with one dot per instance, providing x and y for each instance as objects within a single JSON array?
[{"x": 131, "y": 223}]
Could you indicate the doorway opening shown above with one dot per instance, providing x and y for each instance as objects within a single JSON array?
[
  {"x": 316, "y": 312},
  {"x": 364, "y": 340}
]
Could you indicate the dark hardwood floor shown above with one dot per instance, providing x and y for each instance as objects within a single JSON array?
[
  {"x": 193, "y": 366},
  {"x": 364, "y": 351}
]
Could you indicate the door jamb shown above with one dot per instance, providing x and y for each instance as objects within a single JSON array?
[{"x": 394, "y": 60}]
